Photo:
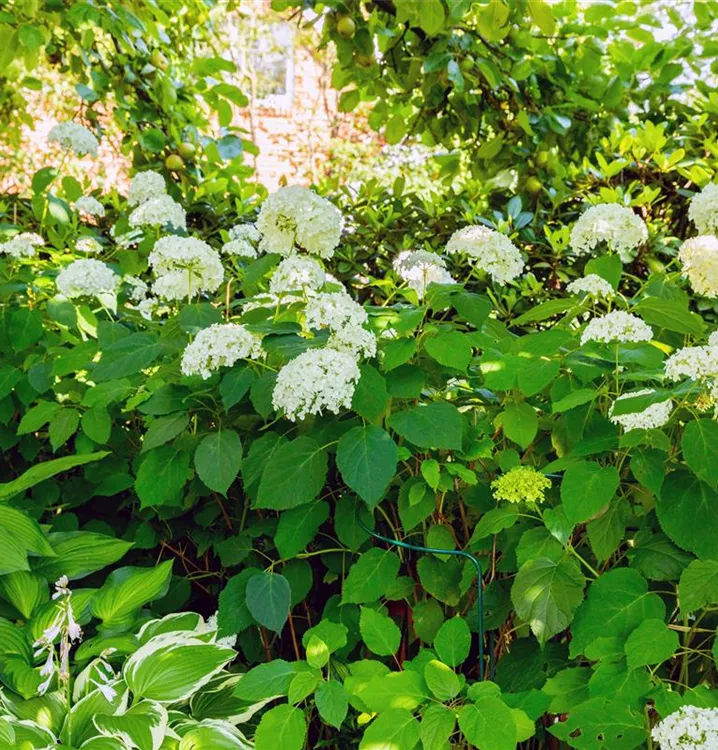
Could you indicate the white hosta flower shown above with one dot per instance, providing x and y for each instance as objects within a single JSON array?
[
  {"x": 316, "y": 380},
  {"x": 699, "y": 257},
  {"x": 184, "y": 266},
  {"x": 419, "y": 268},
  {"x": 88, "y": 245},
  {"x": 144, "y": 186},
  {"x": 108, "y": 692},
  {"x": 493, "y": 252},
  {"x": 694, "y": 362},
  {"x": 74, "y": 137},
  {"x": 220, "y": 345},
  {"x": 655, "y": 415},
  {"x": 23, "y": 245},
  {"x": 297, "y": 274},
  {"x": 592, "y": 285},
  {"x": 87, "y": 277},
  {"x": 617, "y": 326},
  {"x": 355, "y": 339},
  {"x": 89, "y": 206},
  {"x": 688, "y": 728},
  {"x": 703, "y": 210},
  {"x": 619, "y": 227},
  {"x": 159, "y": 212},
  {"x": 296, "y": 217}
]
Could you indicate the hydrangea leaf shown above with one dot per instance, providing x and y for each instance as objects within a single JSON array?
[
  {"x": 379, "y": 632},
  {"x": 698, "y": 586},
  {"x": 367, "y": 458},
  {"x": 586, "y": 488},
  {"x": 268, "y": 597},
  {"x": 602, "y": 724},
  {"x": 652, "y": 642},
  {"x": 546, "y": 594}
]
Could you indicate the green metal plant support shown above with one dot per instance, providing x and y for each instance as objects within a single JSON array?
[{"x": 479, "y": 587}]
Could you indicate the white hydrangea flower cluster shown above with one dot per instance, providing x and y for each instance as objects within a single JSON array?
[
  {"x": 89, "y": 206},
  {"x": 87, "y": 277},
  {"x": 297, "y": 218},
  {"x": 145, "y": 186},
  {"x": 703, "y": 210},
  {"x": 345, "y": 320},
  {"x": 653, "y": 416},
  {"x": 493, "y": 252},
  {"x": 620, "y": 228},
  {"x": 316, "y": 380},
  {"x": 88, "y": 245},
  {"x": 419, "y": 268},
  {"x": 220, "y": 345},
  {"x": 242, "y": 241},
  {"x": 159, "y": 212},
  {"x": 694, "y": 362},
  {"x": 699, "y": 257},
  {"x": 688, "y": 728},
  {"x": 184, "y": 266},
  {"x": 22, "y": 245},
  {"x": 136, "y": 288},
  {"x": 617, "y": 326},
  {"x": 297, "y": 274},
  {"x": 74, "y": 137},
  {"x": 592, "y": 285}
]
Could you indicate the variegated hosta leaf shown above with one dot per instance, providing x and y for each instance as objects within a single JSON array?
[
  {"x": 79, "y": 725},
  {"x": 169, "y": 669},
  {"x": 143, "y": 726},
  {"x": 48, "y": 710},
  {"x": 178, "y": 621},
  {"x": 214, "y": 735},
  {"x": 31, "y": 732}
]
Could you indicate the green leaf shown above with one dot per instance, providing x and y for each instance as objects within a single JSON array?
[
  {"x": 520, "y": 423},
  {"x": 235, "y": 385},
  {"x": 437, "y": 425},
  {"x": 606, "y": 532},
  {"x": 63, "y": 426},
  {"x": 541, "y": 15},
  {"x": 161, "y": 476},
  {"x": 437, "y": 725},
  {"x": 431, "y": 16},
  {"x": 379, "y": 632},
  {"x": 544, "y": 310},
  {"x": 9, "y": 378},
  {"x": 652, "y": 642},
  {"x": 164, "y": 429},
  {"x": 332, "y": 703},
  {"x": 700, "y": 449},
  {"x": 367, "y": 459},
  {"x": 442, "y": 680},
  {"x": 451, "y": 349},
  {"x": 79, "y": 553},
  {"x": 453, "y": 641},
  {"x": 546, "y": 593},
  {"x": 298, "y": 526},
  {"x": 617, "y": 603},
  {"x": 268, "y": 599},
  {"x": 698, "y": 587},
  {"x": 170, "y": 670},
  {"x": 25, "y": 328},
  {"x": 573, "y": 399},
  {"x": 371, "y": 398},
  {"x": 370, "y": 576},
  {"x": 658, "y": 559},
  {"x": 24, "y": 590},
  {"x": 395, "y": 729},
  {"x": 128, "y": 589},
  {"x": 266, "y": 681},
  {"x": 671, "y": 315},
  {"x": 127, "y": 356},
  {"x": 489, "y": 724},
  {"x": 282, "y": 726},
  {"x": 395, "y": 130},
  {"x": 218, "y": 458},
  {"x": 294, "y": 476},
  {"x": 686, "y": 509},
  {"x": 567, "y": 689},
  {"x": 494, "y": 521},
  {"x": 97, "y": 425},
  {"x": 586, "y": 488},
  {"x": 602, "y": 724},
  {"x": 234, "y": 616},
  {"x": 42, "y": 471}
]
